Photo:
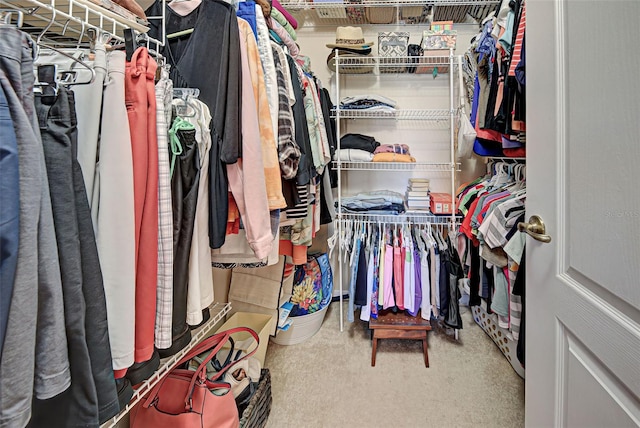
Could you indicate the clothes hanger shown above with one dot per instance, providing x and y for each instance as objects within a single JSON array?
[
  {"x": 7, "y": 16},
  {"x": 186, "y": 95},
  {"x": 53, "y": 78}
]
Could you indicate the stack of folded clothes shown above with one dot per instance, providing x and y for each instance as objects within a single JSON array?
[
  {"x": 376, "y": 103},
  {"x": 377, "y": 202},
  {"x": 392, "y": 153},
  {"x": 363, "y": 148}
]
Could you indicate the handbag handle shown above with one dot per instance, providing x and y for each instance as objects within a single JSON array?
[{"x": 217, "y": 342}]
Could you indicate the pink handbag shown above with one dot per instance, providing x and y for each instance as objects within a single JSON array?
[{"x": 183, "y": 398}]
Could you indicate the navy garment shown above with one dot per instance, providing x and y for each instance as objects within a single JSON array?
[
  {"x": 247, "y": 11},
  {"x": 360, "y": 297},
  {"x": 474, "y": 285},
  {"x": 444, "y": 282},
  {"x": 9, "y": 211},
  {"x": 519, "y": 289}
]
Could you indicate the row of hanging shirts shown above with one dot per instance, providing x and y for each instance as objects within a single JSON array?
[
  {"x": 402, "y": 267},
  {"x": 491, "y": 246}
]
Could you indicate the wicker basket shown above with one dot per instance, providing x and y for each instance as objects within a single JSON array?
[
  {"x": 257, "y": 412},
  {"x": 380, "y": 15}
]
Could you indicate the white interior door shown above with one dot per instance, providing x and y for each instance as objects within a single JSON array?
[{"x": 583, "y": 169}]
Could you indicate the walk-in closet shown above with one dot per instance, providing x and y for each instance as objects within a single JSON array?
[{"x": 319, "y": 213}]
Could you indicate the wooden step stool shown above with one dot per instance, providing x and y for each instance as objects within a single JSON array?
[{"x": 399, "y": 326}]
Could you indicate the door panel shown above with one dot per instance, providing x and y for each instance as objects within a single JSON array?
[
  {"x": 583, "y": 290},
  {"x": 605, "y": 402},
  {"x": 602, "y": 111}
]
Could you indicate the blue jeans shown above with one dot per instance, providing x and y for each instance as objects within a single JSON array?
[{"x": 9, "y": 211}]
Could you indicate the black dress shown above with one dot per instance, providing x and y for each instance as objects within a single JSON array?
[{"x": 209, "y": 59}]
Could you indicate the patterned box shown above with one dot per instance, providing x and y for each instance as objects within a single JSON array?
[{"x": 393, "y": 46}]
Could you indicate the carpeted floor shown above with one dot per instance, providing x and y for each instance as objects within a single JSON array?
[{"x": 328, "y": 381}]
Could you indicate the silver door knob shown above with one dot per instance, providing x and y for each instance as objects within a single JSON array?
[{"x": 535, "y": 228}]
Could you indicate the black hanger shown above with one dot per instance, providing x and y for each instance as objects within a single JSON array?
[{"x": 129, "y": 43}]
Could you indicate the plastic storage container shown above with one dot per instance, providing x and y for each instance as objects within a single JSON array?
[{"x": 302, "y": 328}]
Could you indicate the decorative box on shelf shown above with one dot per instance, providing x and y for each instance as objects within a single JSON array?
[
  {"x": 393, "y": 48},
  {"x": 436, "y": 42}
]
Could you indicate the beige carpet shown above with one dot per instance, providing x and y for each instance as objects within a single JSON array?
[{"x": 328, "y": 381}]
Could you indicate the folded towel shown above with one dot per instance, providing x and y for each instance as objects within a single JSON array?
[
  {"x": 393, "y": 157},
  {"x": 353, "y": 155}
]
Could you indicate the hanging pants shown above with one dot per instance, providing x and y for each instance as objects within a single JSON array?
[
  {"x": 84, "y": 134},
  {"x": 184, "y": 193},
  {"x": 35, "y": 345},
  {"x": 9, "y": 211},
  {"x": 78, "y": 406},
  {"x": 113, "y": 214},
  {"x": 140, "y": 99},
  {"x": 164, "y": 294}
]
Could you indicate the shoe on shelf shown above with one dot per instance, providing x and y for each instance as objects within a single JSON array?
[
  {"x": 139, "y": 372},
  {"x": 178, "y": 344},
  {"x": 125, "y": 392}
]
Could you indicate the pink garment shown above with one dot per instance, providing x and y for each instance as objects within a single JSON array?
[
  {"x": 389, "y": 301},
  {"x": 285, "y": 36},
  {"x": 398, "y": 274},
  {"x": 286, "y": 14},
  {"x": 246, "y": 177},
  {"x": 140, "y": 98}
]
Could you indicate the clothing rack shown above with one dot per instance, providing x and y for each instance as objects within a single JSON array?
[
  {"x": 79, "y": 21},
  {"x": 515, "y": 168}
]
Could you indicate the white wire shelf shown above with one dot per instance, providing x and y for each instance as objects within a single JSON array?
[
  {"x": 393, "y": 62},
  {"x": 396, "y": 166},
  {"x": 414, "y": 217},
  {"x": 404, "y": 114},
  {"x": 217, "y": 311},
  {"x": 305, "y": 5},
  {"x": 72, "y": 18},
  {"x": 406, "y": 12}
]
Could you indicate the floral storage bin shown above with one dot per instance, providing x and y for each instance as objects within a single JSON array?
[
  {"x": 439, "y": 39},
  {"x": 311, "y": 296},
  {"x": 436, "y": 43},
  {"x": 393, "y": 48}
]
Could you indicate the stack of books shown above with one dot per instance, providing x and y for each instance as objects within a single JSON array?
[{"x": 417, "y": 195}]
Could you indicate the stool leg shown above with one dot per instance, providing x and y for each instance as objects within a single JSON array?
[
  {"x": 425, "y": 351},
  {"x": 374, "y": 349}
]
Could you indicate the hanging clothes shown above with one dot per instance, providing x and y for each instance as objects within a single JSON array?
[
  {"x": 140, "y": 100},
  {"x": 10, "y": 214},
  {"x": 164, "y": 297},
  {"x": 220, "y": 88},
  {"x": 35, "y": 345},
  {"x": 184, "y": 187},
  {"x": 200, "y": 289},
  {"x": 112, "y": 214}
]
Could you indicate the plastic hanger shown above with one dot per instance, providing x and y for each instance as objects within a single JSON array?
[
  {"x": 53, "y": 76},
  {"x": 186, "y": 95},
  {"x": 8, "y": 14}
]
